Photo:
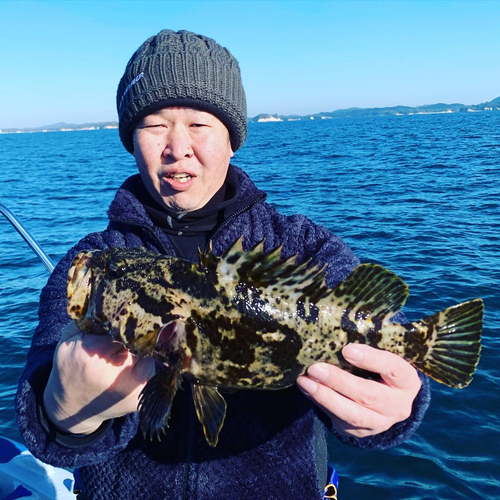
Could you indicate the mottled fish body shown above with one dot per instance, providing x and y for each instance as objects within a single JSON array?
[{"x": 252, "y": 320}]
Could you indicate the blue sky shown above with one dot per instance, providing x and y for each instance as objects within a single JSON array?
[{"x": 62, "y": 60}]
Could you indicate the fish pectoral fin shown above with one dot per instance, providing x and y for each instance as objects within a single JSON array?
[
  {"x": 211, "y": 410},
  {"x": 155, "y": 402},
  {"x": 452, "y": 353}
]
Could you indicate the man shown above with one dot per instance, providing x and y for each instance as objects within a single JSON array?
[{"x": 182, "y": 113}]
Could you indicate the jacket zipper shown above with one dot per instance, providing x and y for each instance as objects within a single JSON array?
[
  {"x": 233, "y": 216},
  {"x": 150, "y": 231},
  {"x": 189, "y": 456},
  {"x": 187, "y": 465}
]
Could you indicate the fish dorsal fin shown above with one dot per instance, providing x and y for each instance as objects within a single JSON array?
[
  {"x": 208, "y": 259},
  {"x": 269, "y": 272},
  {"x": 371, "y": 290}
]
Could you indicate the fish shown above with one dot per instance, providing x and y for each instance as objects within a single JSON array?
[{"x": 252, "y": 320}]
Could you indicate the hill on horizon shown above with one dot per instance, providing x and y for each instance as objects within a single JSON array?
[{"x": 493, "y": 105}]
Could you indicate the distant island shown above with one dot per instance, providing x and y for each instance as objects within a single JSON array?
[
  {"x": 428, "y": 109},
  {"x": 61, "y": 127}
]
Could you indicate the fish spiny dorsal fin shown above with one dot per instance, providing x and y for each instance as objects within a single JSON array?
[
  {"x": 208, "y": 259},
  {"x": 229, "y": 264},
  {"x": 282, "y": 278},
  {"x": 371, "y": 290}
]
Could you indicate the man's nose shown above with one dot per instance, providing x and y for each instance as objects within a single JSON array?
[{"x": 178, "y": 145}]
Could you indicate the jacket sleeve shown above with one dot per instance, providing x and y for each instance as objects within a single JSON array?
[
  {"x": 39, "y": 435},
  {"x": 327, "y": 248}
]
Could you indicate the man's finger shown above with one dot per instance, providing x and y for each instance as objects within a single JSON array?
[
  {"x": 394, "y": 370},
  {"x": 357, "y": 420},
  {"x": 367, "y": 393}
]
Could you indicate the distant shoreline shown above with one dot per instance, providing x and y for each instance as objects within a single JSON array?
[
  {"x": 61, "y": 127},
  {"x": 276, "y": 118},
  {"x": 428, "y": 109}
]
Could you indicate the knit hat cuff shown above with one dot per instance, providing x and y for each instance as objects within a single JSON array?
[{"x": 234, "y": 133}]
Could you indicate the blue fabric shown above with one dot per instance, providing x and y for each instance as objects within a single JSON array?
[
  {"x": 19, "y": 492},
  {"x": 267, "y": 448},
  {"x": 8, "y": 451},
  {"x": 333, "y": 477},
  {"x": 69, "y": 484},
  {"x": 332, "y": 487},
  {"x": 78, "y": 482}
]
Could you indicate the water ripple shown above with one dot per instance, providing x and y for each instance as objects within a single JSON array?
[{"x": 418, "y": 194}]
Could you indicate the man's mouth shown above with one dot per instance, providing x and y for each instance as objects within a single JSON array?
[{"x": 183, "y": 177}]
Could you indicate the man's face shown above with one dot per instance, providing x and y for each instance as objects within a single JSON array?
[{"x": 183, "y": 155}]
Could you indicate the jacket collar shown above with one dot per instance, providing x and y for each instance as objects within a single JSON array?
[{"x": 126, "y": 207}]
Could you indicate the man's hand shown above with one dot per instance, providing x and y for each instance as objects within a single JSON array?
[
  {"x": 360, "y": 407},
  {"x": 93, "y": 379}
]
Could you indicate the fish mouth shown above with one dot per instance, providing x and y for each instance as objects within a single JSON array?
[
  {"x": 167, "y": 337},
  {"x": 171, "y": 340},
  {"x": 79, "y": 284}
]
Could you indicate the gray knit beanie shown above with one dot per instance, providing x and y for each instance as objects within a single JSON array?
[{"x": 182, "y": 69}]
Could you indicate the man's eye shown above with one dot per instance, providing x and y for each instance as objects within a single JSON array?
[
  {"x": 152, "y": 125},
  {"x": 198, "y": 125}
]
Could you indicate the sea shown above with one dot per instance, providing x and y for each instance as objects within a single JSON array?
[{"x": 418, "y": 194}]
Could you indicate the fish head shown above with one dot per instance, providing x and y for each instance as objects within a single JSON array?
[
  {"x": 100, "y": 283},
  {"x": 128, "y": 294},
  {"x": 79, "y": 285},
  {"x": 89, "y": 278}
]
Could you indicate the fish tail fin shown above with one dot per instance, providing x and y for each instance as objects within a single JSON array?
[{"x": 446, "y": 346}]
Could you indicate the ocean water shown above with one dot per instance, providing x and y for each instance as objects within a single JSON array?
[{"x": 417, "y": 194}]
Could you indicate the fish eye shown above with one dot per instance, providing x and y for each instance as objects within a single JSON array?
[{"x": 116, "y": 270}]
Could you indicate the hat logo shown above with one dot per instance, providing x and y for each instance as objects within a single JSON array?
[{"x": 129, "y": 86}]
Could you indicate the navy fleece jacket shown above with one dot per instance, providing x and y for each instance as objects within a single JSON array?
[{"x": 273, "y": 443}]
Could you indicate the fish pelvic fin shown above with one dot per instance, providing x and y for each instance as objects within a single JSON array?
[
  {"x": 155, "y": 401},
  {"x": 211, "y": 411},
  {"x": 447, "y": 345},
  {"x": 371, "y": 290}
]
